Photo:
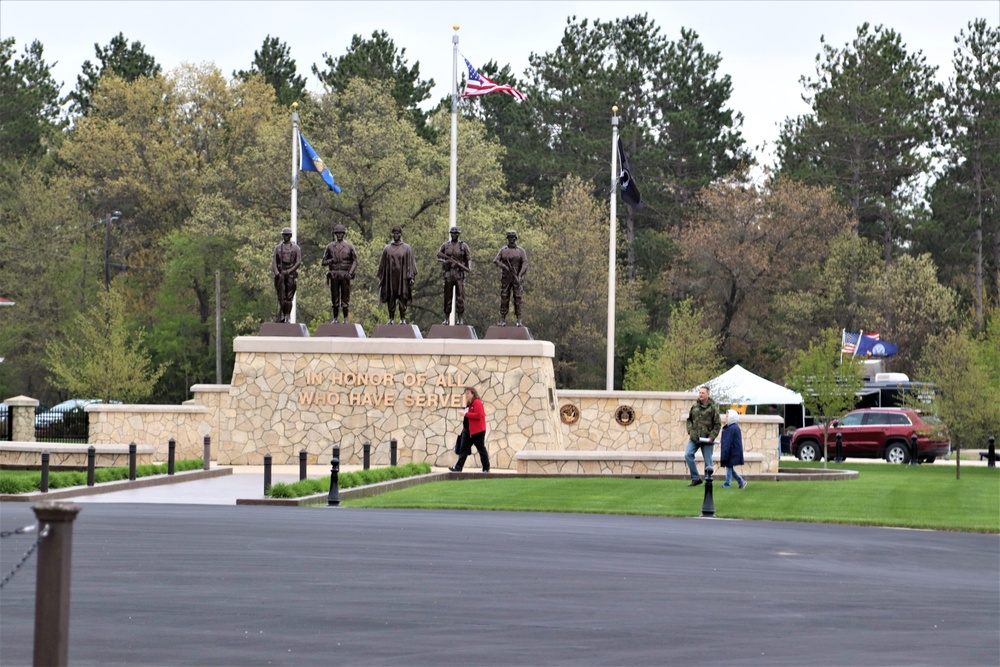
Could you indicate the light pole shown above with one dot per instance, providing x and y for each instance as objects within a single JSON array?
[{"x": 107, "y": 247}]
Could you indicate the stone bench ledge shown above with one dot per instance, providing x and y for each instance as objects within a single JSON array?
[
  {"x": 591, "y": 455},
  {"x": 72, "y": 448}
]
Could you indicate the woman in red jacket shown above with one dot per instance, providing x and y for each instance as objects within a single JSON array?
[{"x": 473, "y": 431}]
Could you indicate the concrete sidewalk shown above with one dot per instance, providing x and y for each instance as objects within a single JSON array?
[{"x": 245, "y": 482}]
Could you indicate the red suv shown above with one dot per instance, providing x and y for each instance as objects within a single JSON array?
[{"x": 874, "y": 433}]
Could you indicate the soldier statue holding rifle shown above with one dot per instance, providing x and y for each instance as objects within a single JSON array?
[
  {"x": 285, "y": 264},
  {"x": 456, "y": 262},
  {"x": 513, "y": 263},
  {"x": 341, "y": 261}
]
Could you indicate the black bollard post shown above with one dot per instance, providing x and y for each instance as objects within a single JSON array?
[
  {"x": 91, "y": 460},
  {"x": 45, "y": 472},
  {"x": 839, "y": 458},
  {"x": 333, "y": 500},
  {"x": 302, "y": 464},
  {"x": 336, "y": 453},
  {"x": 207, "y": 457},
  {"x": 991, "y": 454},
  {"x": 52, "y": 582},
  {"x": 367, "y": 461},
  {"x": 267, "y": 473},
  {"x": 131, "y": 461},
  {"x": 393, "y": 447},
  {"x": 708, "y": 505},
  {"x": 171, "y": 455},
  {"x": 914, "y": 458}
]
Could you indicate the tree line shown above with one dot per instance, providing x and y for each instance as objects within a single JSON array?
[{"x": 881, "y": 213}]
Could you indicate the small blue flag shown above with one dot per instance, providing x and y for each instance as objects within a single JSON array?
[
  {"x": 879, "y": 349},
  {"x": 309, "y": 160}
]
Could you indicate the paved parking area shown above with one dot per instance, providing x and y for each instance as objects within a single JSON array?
[{"x": 170, "y": 584}]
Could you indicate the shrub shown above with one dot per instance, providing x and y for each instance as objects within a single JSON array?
[
  {"x": 347, "y": 480},
  {"x": 14, "y": 481}
]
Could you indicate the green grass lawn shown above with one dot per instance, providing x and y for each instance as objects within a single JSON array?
[{"x": 926, "y": 496}]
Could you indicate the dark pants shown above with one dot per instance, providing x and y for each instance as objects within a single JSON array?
[
  {"x": 340, "y": 291},
  {"x": 506, "y": 287},
  {"x": 479, "y": 442},
  {"x": 285, "y": 286},
  {"x": 454, "y": 280}
]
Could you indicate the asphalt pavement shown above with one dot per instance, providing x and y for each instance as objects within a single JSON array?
[{"x": 202, "y": 584}]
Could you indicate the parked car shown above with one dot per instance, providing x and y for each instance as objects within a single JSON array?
[
  {"x": 66, "y": 419},
  {"x": 874, "y": 433}
]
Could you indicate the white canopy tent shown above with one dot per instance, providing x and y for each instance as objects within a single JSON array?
[{"x": 738, "y": 386}]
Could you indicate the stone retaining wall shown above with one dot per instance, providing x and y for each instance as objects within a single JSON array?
[
  {"x": 154, "y": 425},
  {"x": 290, "y": 394}
]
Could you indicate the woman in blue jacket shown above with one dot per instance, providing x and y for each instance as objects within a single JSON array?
[{"x": 732, "y": 449}]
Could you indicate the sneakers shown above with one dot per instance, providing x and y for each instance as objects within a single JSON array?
[
  {"x": 485, "y": 470},
  {"x": 744, "y": 485},
  {"x": 726, "y": 486},
  {"x": 695, "y": 482},
  {"x": 453, "y": 469}
]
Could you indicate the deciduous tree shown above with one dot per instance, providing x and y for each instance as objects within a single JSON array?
[
  {"x": 687, "y": 356},
  {"x": 100, "y": 356},
  {"x": 828, "y": 384}
]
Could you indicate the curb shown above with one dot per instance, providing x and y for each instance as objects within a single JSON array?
[{"x": 349, "y": 494}]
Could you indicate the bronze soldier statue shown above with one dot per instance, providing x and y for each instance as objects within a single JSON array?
[
  {"x": 285, "y": 266},
  {"x": 513, "y": 263},
  {"x": 341, "y": 261},
  {"x": 456, "y": 262},
  {"x": 397, "y": 269}
]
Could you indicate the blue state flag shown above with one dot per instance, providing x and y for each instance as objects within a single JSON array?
[
  {"x": 309, "y": 160},
  {"x": 872, "y": 347}
]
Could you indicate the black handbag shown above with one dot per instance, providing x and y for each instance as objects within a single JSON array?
[{"x": 458, "y": 444}]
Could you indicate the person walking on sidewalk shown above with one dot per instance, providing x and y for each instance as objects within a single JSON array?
[
  {"x": 703, "y": 426},
  {"x": 732, "y": 450},
  {"x": 473, "y": 431}
]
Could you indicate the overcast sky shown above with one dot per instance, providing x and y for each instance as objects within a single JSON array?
[{"x": 765, "y": 46}]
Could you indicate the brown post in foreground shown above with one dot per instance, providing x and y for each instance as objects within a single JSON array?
[{"x": 55, "y": 554}]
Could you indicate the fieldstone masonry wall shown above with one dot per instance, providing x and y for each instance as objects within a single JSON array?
[
  {"x": 290, "y": 394},
  {"x": 623, "y": 421}
]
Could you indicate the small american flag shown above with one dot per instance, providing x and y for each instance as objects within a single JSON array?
[
  {"x": 850, "y": 341},
  {"x": 477, "y": 85}
]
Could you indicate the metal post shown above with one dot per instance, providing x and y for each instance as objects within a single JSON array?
[
  {"x": 367, "y": 447},
  {"x": 45, "y": 472},
  {"x": 333, "y": 499},
  {"x": 52, "y": 583},
  {"x": 914, "y": 459},
  {"x": 267, "y": 473},
  {"x": 207, "y": 457},
  {"x": 131, "y": 461},
  {"x": 708, "y": 505},
  {"x": 91, "y": 460},
  {"x": 393, "y": 447},
  {"x": 302, "y": 464},
  {"x": 336, "y": 453},
  {"x": 991, "y": 456},
  {"x": 840, "y": 444},
  {"x": 171, "y": 455}
]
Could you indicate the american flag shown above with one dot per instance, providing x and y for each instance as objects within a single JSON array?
[
  {"x": 477, "y": 85},
  {"x": 850, "y": 341}
]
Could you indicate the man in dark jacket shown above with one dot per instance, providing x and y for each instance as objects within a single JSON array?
[{"x": 703, "y": 425}]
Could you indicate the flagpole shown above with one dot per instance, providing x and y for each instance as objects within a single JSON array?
[
  {"x": 843, "y": 339},
  {"x": 295, "y": 190},
  {"x": 453, "y": 192},
  {"x": 612, "y": 248}
]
